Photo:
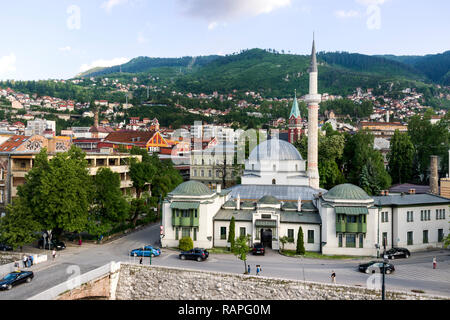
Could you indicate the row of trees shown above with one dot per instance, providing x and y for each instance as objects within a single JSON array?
[{"x": 60, "y": 195}]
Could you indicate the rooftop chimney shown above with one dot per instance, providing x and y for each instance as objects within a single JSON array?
[
  {"x": 238, "y": 202},
  {"x": 434, "y": 180},
  {"x": 299, "y": 204}
]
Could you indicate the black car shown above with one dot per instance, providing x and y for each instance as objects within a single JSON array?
[
  {"x": 258, "y": 248},
  {"x": 376, "y": 266},
  {"x": 5, "y": 247},
  {"x": 395, "y": 253},
  {"x": 54, "y": 244},
  {"x": 14, "y": 278},
  {"x": 195, "y": 254}
]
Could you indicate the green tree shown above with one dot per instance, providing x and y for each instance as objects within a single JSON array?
[
  {"x": 283, "y": 241},
  {"x": 186, "y": 244},
  {"x": 58, "y": 193},
  {"x": 109, "y": 207},
  {"x": 400, "y": 158},
  {"x": 241, "y": 249},
  {"x": 232, "y": 233},
  {"x": 18, "y": 227},
  {"x": 300, "y": 243}
]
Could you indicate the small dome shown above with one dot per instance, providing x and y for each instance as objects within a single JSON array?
[
  {"x": 268, "y": 200},
  {"x": 275, "y": 149},
  {"x": 192, "y": 188},
  {"x": 346, "y": 191}
]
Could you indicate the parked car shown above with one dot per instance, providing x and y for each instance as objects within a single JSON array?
[
  {"x": 14, "y": 278},
  {"x": 258, "y": 248},
  {"x": 54, "y": 244},
  {"x": 376, "y": 266},
  {"x": 198, "y": 254},
  {"x": 395, "y": 253},
  {"x": 5, "y": 247},
  {"x": 146, "y": 252}
]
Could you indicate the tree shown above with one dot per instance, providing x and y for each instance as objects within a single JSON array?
[
  {"x": 400, "y": 158},
  {"x": 109, "y": 206},
  {"x": 363, "y": 165},
  {"x": 241, "y": 249},
  {"x": 58, "y": 193},
  {"x": 18, "y": 226},
  {"x": 283, "y": 241},
  {"x": 232, "y": 233},
  {"x": 300, "y": 244},
  {"x": 186, "y": 244}
]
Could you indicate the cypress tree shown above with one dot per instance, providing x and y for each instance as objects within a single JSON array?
[
  {"x": 232, "y": 233},
  {"x": 300, "y": 245}
]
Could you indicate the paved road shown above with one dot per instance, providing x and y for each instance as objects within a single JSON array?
[{"x": 413, "y": 273}]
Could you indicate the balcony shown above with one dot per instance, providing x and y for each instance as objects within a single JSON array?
[
  {"x": 340, "y": 227},
  {"x": 351, "y": 227},
  {"x": 185, "y": 221}
]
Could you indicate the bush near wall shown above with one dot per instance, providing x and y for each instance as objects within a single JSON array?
[{"x": 186, "y": 244}]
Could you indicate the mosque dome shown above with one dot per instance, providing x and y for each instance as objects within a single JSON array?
[{"x": 275, "y": 149}]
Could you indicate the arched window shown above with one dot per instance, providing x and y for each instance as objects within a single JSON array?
[{"x": 274, "y": 181}]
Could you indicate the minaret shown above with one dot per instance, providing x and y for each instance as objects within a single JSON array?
[
  {"x": 313, "y": 99},
  {"x": 295, "y": 122}
]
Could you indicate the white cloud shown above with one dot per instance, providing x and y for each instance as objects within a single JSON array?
[
  {"x": 8, "y": 64},
  {"x": 347, "y": 14},
  {"x": 371, "y": 2},
  {"x": 110, "y": 4},
  {"x": 222, "y": 11},
  {"x": 103, "y": 63},
  {"x": 65, "y": 49}
]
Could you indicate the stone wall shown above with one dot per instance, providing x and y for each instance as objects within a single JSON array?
[
  {"x": 94, "y": 289},
  {"x": 138, "y": 282}
]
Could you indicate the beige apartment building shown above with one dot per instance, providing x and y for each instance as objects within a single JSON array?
[{"x": 17, "y": 156}]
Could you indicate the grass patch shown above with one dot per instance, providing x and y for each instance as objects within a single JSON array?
[
  {"x": 316, "y": 255},
  {"x": 219, "y": 250}
]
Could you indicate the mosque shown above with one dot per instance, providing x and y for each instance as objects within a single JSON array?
[{"x": 279, "y": 193}]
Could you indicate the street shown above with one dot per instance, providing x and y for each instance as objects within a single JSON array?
[{"x": 415, "y": 273}]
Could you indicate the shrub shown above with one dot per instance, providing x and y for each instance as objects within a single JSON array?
[
  {"x": 300, "y": 244},
  {"x": 186, "y": 244}
]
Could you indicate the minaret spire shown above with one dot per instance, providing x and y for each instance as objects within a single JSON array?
[{"x": 313, "y": 99}]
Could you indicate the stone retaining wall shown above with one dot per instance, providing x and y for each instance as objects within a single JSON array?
[{"x": 138, "y": 282}]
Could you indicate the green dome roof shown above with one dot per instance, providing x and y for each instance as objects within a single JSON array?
[
  {"x": 346, "y": 191},
  {"x": 268, "y": 200},
  {"x": 192, "y": 188}
]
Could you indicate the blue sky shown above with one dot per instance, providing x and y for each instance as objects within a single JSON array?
[{"x": 59, "y": 38}]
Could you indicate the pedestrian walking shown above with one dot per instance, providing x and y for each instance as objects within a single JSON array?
[
  {"x": 434, "y": 263},
  {"x": 258, "y": 269},
  {"x": 79, "y": 242},
  {"x": 31, "y": 260},
  {"x": 25, "y": 260},
  {"x": 248, "y": 269},
  {"x": 333, "y": 277},
  {"x": 54, "y": 254},
  {"x": 140, "y": 261}
]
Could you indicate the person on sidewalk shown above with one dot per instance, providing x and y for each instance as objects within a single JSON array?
[
  {"x": 333, "y": 277},
  {"x": 54, "y": 254},
  {"x": 140, "y": 261},
  {"x": 434, "y": 263},
  {"x": 258, "y": 269},
  {"x": 25, "y": 260},
  {"x": 248, "y": 269}
]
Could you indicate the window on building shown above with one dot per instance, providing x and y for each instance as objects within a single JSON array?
[
  {"x": 425, "y": 236},
  {"x": 361, "y": 241},
  {"x": 290, "y": 234},
  {"x": 409, "y": 216},
  {"x": 410, "y": 238},
  {"x": 440, "y": 235},
  {"x": 185, "y": 232},
  {"x": 340, "y": 240},
  {"x": 186, "y": 213},
  {"x": 443, "y": 214},
  {"x": 421, "y": 215},
  {"x": 177, "y": 230},
  {"x": 209, "y": 173},
  {"x": 429, "y": 215},
  {"x": 351, "y": 219},
  {"x": 438, "y": 214},
  {"x": 242, "y": 232},
  {"x": 196, "y": 213},
  {"x": 195, "y": 173},
  {"x": 203, "y": 173},
  {"x": 350, "y": 240},
  {"x": 195, "y": 234},
  {"x": 274, "y": 181},
  {"x": 223, "y": 233},
  {"x": 310, "y": 236}
]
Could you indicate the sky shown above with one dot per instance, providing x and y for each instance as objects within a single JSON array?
[{"x": 57, "y": 39}]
